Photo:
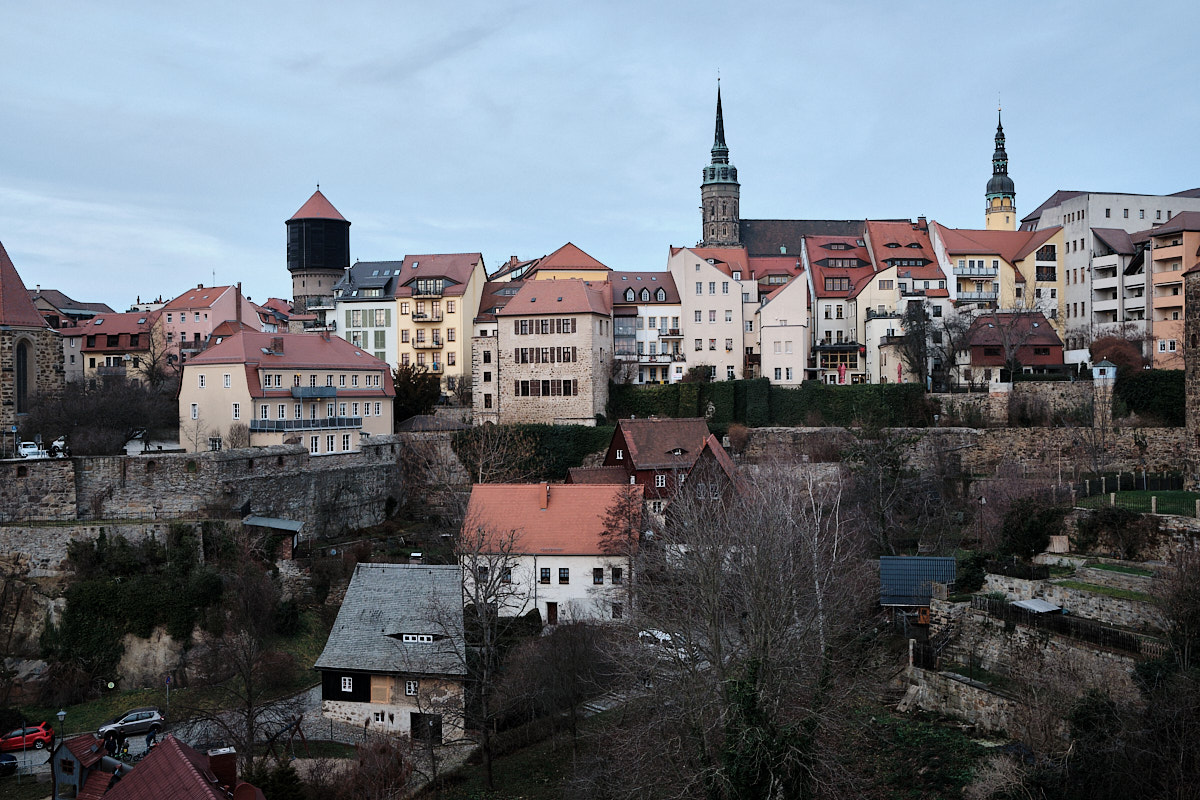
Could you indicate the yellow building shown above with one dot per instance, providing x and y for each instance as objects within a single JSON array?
[{"x": 260, "y": 389}]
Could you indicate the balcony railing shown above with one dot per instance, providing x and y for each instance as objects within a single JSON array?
[
  {"x": 111, "y": 372},
  {"x": 423, "y": 293},
  {"x": 983, "y": 272},
  {"x": 435, "y": 344},
  {"x": 310, "y": 392},
  {"x": 977, "y": 295},
  {"x": 435, "y": 367},
  {"x": 318, "y": 424},
  {"x": 670, "y": 333},
  {"x": 1045, "y": 274},
  {"x": 421, "y": 316}
]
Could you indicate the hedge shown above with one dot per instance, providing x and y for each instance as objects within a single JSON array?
[
  {"x": 555, "y": 448},
  {"x": 758, "y": 403},
  {"x": 1157, "y": 393}
]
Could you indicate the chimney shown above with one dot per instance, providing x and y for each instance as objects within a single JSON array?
[
  {"x": 237, "y": 306},
  {"x": 545, "y": 498},
  {"x": 223, "y": 763},
  {"x": 922, "y": 225},
  {"x": 277, "y": 345},
  {"x": 244, "y": 791},
  {"x": 199, "y": 285}
]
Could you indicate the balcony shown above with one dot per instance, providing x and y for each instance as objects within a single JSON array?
[
  {"x": 670, "y": 333},
  {"x": 425, "y": 293},
  {"x": 436, "y": 367},
  {"x": 312, "y": 392},
  {"x": 981, "y": 297},
  {"x": 436, "y": 344},
  {"x": 977, "y": 272},
  {"x": 111, "y": 372},
  {"x": 1046, "y": 274},
  {"x": 319, "y": 424},
  {"x": 1105, "y": 305},
  {"x": 421, "y": 316}
]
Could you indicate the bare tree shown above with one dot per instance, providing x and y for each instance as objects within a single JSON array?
[
  {"x": 1009, "y": 329},
  {"x": 955, "y": 330},
  {"x": 495, "y": 453},
  {"x": 915, "y": 345},
  {"x": 239, "y": 436}
]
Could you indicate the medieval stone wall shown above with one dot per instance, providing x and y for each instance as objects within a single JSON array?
[
  {"x": 46, "y": 376},
  {"x": 1133, "y": 614}
]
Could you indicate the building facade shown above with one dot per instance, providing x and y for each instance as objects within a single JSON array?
[{"x": 31, "y": 352}]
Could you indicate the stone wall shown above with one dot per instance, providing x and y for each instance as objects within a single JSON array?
[
  {"x": 1109, "y": 610},
  {"x": 985, "y": 451},
  {"x": 46, "y": 374},
  {"x": 1116, "y": 580},
  {"x": 955, "y": 696},
  {"x": 327, "y": 493}
]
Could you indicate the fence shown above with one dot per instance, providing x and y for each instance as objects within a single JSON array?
[
  {"x": 1072, "y": 627},
  {"x": 1107, "y": 482},
  {"x": 1134, "y": 491},
  {"x": 1018, "y": 569}
]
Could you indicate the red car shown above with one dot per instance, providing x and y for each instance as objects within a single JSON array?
[{"x": 34, "y": 737}]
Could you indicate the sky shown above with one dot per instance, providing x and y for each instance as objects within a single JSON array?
[{"x": 148, "y": 147}]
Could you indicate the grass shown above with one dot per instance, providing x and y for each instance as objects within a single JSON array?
[
  {"x": 1108, "y": 591},
  {"x": 536, "y": 772},
  {"x": 305, "y": 647},
  {"x": 918, "y": 757},
  {"x": 1124, "y": 570},
  {"x": 1061, "y": 570},
  {"x": 1169, "y": 501},
  {"x": 28, "y": 789}
]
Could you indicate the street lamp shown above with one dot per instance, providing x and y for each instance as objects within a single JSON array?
[{"x": 62, "y": 716}]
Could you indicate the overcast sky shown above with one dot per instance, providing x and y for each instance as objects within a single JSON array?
[{"x": 148, "y": 146}]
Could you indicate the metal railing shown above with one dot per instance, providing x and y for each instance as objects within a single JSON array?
[
  {"x": 1072, "y": 627},
  {"x": 318, "y": 424}
]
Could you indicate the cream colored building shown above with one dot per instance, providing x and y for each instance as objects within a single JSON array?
[
  {"x": 305, "y": 388},
  {"x": 717, "y": 296}
]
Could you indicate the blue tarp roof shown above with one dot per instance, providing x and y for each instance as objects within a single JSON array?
[{"x": 908, "y": 580}]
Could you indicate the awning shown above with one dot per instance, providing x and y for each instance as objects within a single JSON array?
[
  {"x": 1037, "y": 606},
  {"x": 273, "y": 522}
]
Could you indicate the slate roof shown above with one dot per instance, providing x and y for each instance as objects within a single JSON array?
[
  {"x": 651, "y": 442},
  {"x": 495, "y": 296},
  {"x": 764, "y": 237},
  {"x": 908, "y": 580},
  {"x": 1056, "y": 199},
  {"x": 620, "y": 281},
  {"x": 385, "y": 601},
  {"x": 16, "y": 309},
  {"x": 68, "y": 306},
  {"x": 563, "y": 519},
  {"x": 1118, "y": 240},
  {"x": 1183, "y": 221}
]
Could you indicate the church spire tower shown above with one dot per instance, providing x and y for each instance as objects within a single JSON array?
[
  {"x": 720, "y": 192},
  {"x": 1001, "y": 213}
]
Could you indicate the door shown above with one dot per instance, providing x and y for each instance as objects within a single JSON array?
[{"x": 551, "y": 613}]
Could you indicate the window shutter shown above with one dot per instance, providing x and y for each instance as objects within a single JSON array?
[
  {"x": 347, "y": 318},
  {"x": 574, "y": 357},
  {"x": 387, "y": 318}
]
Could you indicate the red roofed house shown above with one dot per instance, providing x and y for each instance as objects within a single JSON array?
[
  {"x": 839, "y": 270},
  {"x": 552, "y": 353},
  {"x": 31, "y": 354},
  {"x": 120, "y": 346},
  {"x": 647, "y": 336},
  {"x": 322, "y": 392},
  {"x": 82, "y": 771},
  {"x": 1025, "y": 338},
  {"x": 552, "y": 539},
  {"x": 718, "y": 298},
  {"x": 188, "y": 320}
]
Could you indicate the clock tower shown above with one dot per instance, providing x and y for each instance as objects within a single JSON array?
[
  {"x": 1001, "y": 213},
  {"x": 720, "y": 193}
]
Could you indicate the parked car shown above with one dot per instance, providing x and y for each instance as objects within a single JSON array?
[
  {"x": 32, "y": 738},
  {"x": 31, "y": 450},
  {"x": 134, "y": 721},
  {"x": 8, "y": 765}
]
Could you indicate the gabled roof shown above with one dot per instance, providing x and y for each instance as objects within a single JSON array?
[
  {"x": 564, "y": 296},
  {"x": 983, "y": 331},
  {"x": 87, "y": 749},
  {"x": 200, "y": 297},
  {"x": 569, "y": 257},
  {"x": 279, "y": 306},
  {"x": 317, "y": 207},
  {"x": 561, "y": 519},
  {"x": 762, "y": 266},
  {"x": 1116, "y": 239},
  {"x": 620, "y": 281},
  {"x": 908, "y": 580},
  {"x": 386, "y": 601},
  {"x": 495, "y": 296},
  {"x": 16, "y": 309},
  {"x": 513, "y": 267},
  {"x": 68, "y": 306},
  {"x": 112, "y": 324},
  {"x": 455, "y": 268},
  {"x": 1183, "y": 221},
  {"x": 651, "y": 443},
  {"x": 847, "y": 247},
  {"x": 713, "y": 451},
  {"x": 1056, "y": 199},
  {"x": 765, "y": 237},
  {"x": 726, "y": 259},
  {"x": 172, "y": 770},
  {"x": 1012, "y": 246}
]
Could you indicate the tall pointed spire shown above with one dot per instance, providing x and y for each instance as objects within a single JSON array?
[
  {"x": 720, "y": 150},
  {"x": 1001, "y": 192}
]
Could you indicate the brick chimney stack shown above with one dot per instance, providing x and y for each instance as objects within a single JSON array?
[{"x": 223, "y": 763}]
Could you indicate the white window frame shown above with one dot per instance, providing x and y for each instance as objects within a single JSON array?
[
  {"x": 411, "y": 688},
  {"x": 347, "y": 683}
]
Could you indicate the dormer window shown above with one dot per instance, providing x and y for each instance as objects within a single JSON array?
[
  {"x": 892, "y": 244},
  {"x": 660, "y": 295},
  {"x": 645, "y": 295},
  {"x": 737, "y": 274},
  {"x": 678, "y": 451},
  {"x": 620, "y": 455},
  {"x": 629, "y": 295}
]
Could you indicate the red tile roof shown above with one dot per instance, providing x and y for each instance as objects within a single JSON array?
[
  {"x": 651, "y": 442},
  {"x": 495, "y": 296},
  {"x": 95, "y": 786},
  {"x": 602, "y": 475},
  {"x": 454, "y": 267},
  {"x": 762, "y": 266},
  {"x": 1183, "y": 221},
  {"x": 317, "y": 207},
  {"x": 726, "y": 259},
  {"x": 909, "y": 241},
  {"x": 276, "y": 304},
  {"x": 87, "y": 749},
  {"x": 569, "y": 257},
  {"x": 172, "y": 770},
  {"x": 571, "y": 523},
  {"x": 200, "y": 297},
  {"x": 819, "y": 251},
  {"x": 129, "y": 322},
  {"x": 1012, "y": 246},
  {"x": 563, "y": 296},
  {"x": 622, "y": 280},
  {"x": 16, "y": 308},
  {"x": 983, "y": 331}
]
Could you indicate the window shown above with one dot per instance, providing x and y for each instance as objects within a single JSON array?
[
  {"x": 410, "y": 688},
  {"x": 712, "y": 287},
  {"x": 937, "y": 311},
  {"x": 347, "y": 683},
  {"x": 712, "y": 344},
  {"x": 778, "y": 373},
  {"x": 724, "y": 287},
  {"x": 195, "y": 411},
  {"x": 1127, "y": 213},
  {"x": 564, "y": 574},
  {"x": 225, "y": 379},
  {"x": 729, "y": 344},
  {"x": 699, "y": 285},
  {"x": 749, "y": 326},
  {"x": 314, "y": 444},
  {"x": 699, "y": 344},
  {"x": 660, "y": 481},
  {"x": 282, "y": 411},
  {"x": 544, "y": 575},
  {"x": 1141, "y": 213},
  {"x": 237, "y": 410},
  {"x": 1107, "y": 213},
  {"x": 699, "y": 315},
  {"x": 789, "y": 373},
  {"x": 598, "y": 576},
  {"x": 712, "y": 315},
  {"x": 728, "y": 315},
  {"x": 345, "y": 441},
  {"x": 885, "y": 284},
  {"x": 618, "y": 575},
  {"x": 620, "y": 455},
  {"x": 329, "y": 443},
  {"x": 729, "y": 373},
  {"x": 200, "y": 379}
]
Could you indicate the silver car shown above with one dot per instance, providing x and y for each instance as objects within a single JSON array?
[{"x": 135, "y": 721}]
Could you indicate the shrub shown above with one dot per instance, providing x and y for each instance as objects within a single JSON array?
[
  {"x": 1154, "y": 393},
  {"x": 1028, "y": 525},
  {"x": 739, "y": 436}
]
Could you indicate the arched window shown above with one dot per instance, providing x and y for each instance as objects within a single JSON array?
[
  {"x": 660, "y": 295},
  {"x": 23, "y": 359},
  {"x": 645, "y": 295},
  {"x": 629, "y": 296}
]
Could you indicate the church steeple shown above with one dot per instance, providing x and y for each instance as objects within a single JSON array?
[
  {"x": 720, "y": 192},
  {"x": 1001, "y": 213}
]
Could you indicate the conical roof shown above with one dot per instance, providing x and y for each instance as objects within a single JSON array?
[
  {"x": 318, "y": 207},
  {"x": 16, "y": 309}
]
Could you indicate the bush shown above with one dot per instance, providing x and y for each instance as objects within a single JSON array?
[
  {"x": 739, "y": 436},
  {"x": 1122, "y": 532},
  {"x": 971, "y": 572},
  {"x": 1154, "y": 393},
  {"x": 1028, "y": 526}
]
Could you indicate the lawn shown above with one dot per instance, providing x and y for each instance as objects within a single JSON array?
[
  {"x": 1169, "y": 502},
  {"x": 1108, "y": 591},
  {"x": 1124, "y": 570}
]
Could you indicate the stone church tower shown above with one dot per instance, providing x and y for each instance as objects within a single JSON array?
[
  {"x": 720, "y": 193},
  {"x": 31, "y": 356},
  {"x": 1001, "y": 213}
]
